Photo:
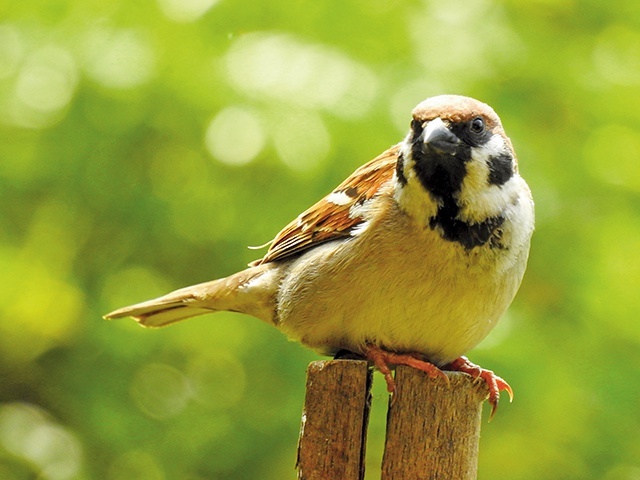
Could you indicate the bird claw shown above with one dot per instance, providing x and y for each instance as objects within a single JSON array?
[
  {"x": 493, "y": 381},
  {"x": 382, "y": 359}
]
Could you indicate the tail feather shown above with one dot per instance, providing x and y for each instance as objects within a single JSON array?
[
  {"x": 170, "y": 308},
  {"x": 217, "y": 295},
  {"x": 158, "y": 315}
]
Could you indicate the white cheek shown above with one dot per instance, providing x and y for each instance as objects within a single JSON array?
[
  {"x": 494, "y": 146},
  {"x": 405, "y": 146},
  {"x": 478, "y": 168},
  {"x": 479, "y": 200}
]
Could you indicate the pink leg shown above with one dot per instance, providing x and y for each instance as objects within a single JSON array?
[
  {"x": 382, "y": 359},
  {"x": 493, "y": 381}
]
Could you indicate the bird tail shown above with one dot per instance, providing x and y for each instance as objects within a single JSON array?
[{"x": 246, "y": 291}]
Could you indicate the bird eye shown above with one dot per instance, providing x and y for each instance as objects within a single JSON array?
[{"x": 477, "y": 125}]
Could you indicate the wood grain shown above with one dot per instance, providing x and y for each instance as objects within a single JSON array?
[
  {"x": 433, "y": 428},
  {"x": 334, "y": 421}
]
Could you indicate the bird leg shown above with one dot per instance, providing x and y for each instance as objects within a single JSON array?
[
  {"x": 382, "y": 359},
  {"x": 493, "y": 381}
]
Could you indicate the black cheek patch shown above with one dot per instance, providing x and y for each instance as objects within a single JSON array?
[
  {"x": 500, "y": 169},
  {"x": 402, "y": 180}
]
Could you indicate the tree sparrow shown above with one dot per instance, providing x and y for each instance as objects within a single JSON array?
[{"x": 411, "y": 260}]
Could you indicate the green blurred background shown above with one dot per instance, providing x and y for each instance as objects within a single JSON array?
[{"x": 145, "y": 144}]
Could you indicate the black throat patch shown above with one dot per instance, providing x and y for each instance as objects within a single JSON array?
[
  {"x": 442, "y": 176},
  {"x": 468, "y": 235}
]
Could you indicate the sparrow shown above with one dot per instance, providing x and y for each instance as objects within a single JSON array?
[{"x": 409, "y": 261}]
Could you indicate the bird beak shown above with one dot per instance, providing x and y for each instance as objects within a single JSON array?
[{"x": 439, "y": 138}]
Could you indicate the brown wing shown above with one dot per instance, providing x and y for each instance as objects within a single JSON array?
[{"x": 331, "y": 217}]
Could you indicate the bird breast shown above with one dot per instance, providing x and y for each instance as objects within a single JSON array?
[{"x": 400, "y": 287}]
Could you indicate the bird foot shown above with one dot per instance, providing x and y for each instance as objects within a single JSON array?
[
  {"x": 493, "y": 381},
  {"x": 383, "y": 359}
]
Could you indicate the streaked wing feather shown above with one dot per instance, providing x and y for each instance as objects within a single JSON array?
[{"x": 326, "y": 220}]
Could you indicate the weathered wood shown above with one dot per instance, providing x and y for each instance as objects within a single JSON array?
[
  {"x": 334, "y": 421},
  {"x": 433, "y": 429}
]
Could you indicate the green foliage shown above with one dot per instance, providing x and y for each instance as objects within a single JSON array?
[{"x": 144, "y": 144}]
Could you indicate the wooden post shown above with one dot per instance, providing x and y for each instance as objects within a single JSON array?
[
  {"x": 334, "y": 421},
  {"x": 433, "y": 429}
]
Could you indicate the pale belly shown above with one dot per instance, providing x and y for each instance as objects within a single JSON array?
[{"x": 434, "y": 301}]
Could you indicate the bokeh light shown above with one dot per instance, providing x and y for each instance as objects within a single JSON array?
[
  {"x": 50, "y": 450},
  {"x": 281, "y": 67},
  {"x": 119, "y": 58},
  {"x": 235, "y": 136},
  {"x": 185, "y": 10}
]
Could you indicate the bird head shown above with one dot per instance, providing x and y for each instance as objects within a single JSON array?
[{"x": 456, "y": 167}]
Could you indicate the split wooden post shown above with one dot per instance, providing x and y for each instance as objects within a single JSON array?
[
  {"x": 433, "y": 428},
  {"x": 333, "y": 434}
]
